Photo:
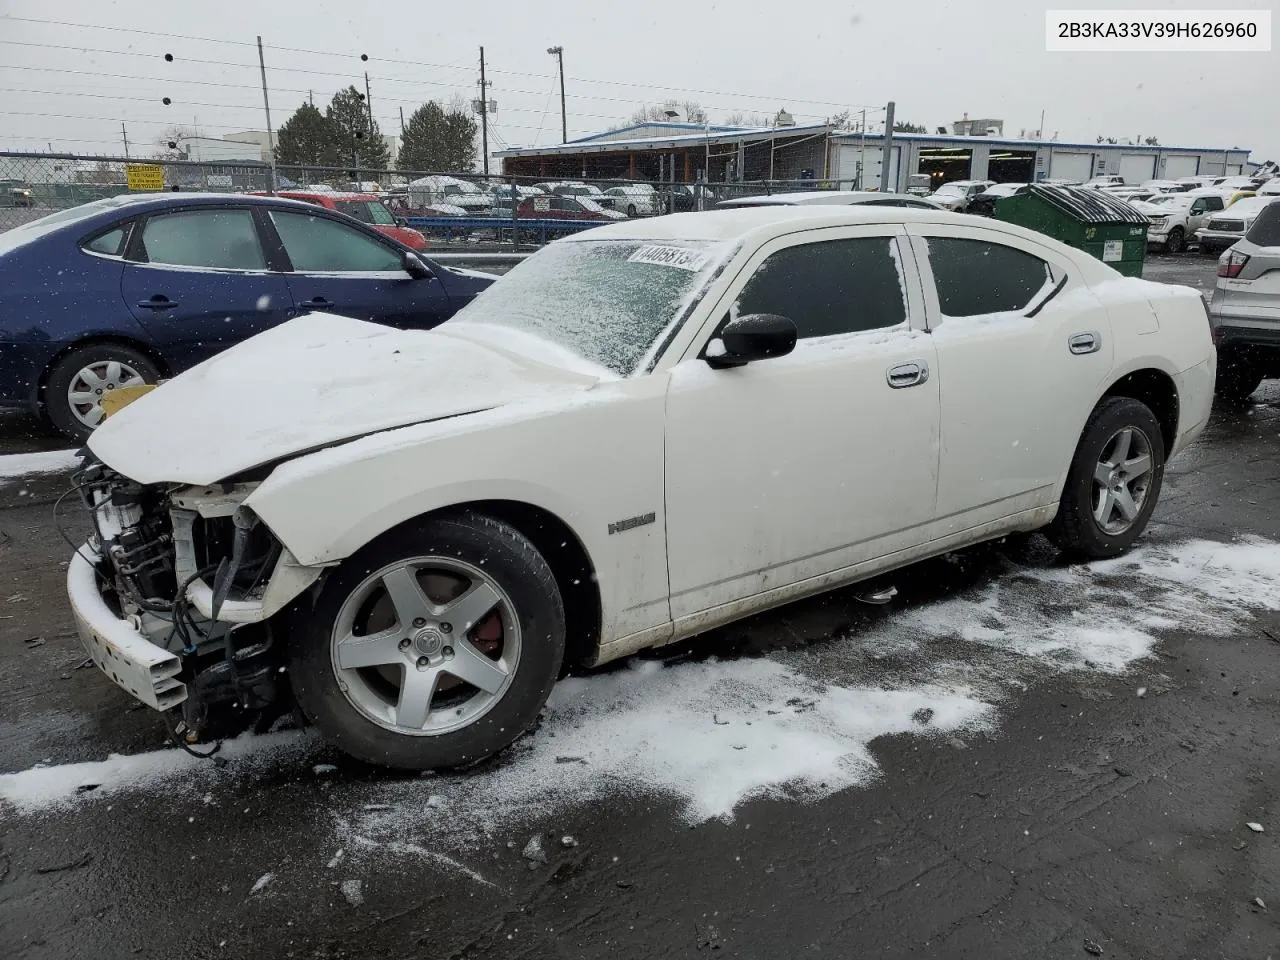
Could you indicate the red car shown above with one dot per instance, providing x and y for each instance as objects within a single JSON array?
[
  {"x": 366, "y": 208},
  {"x": 553, "y": 207}
]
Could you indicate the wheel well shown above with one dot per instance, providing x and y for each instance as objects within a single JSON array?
[
  {"x": 129, "y": 342},
  {"x": 570, "y": 564},
  {"x": 1155, "y": 389}
]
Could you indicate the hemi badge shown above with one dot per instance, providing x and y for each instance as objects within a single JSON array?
[{"x": 631, "y": 523}]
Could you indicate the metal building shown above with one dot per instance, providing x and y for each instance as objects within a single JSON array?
[{"x": 683, "y": 151}]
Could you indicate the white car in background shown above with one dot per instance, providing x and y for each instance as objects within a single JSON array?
[
  {"x": 437, "y": 189},
  {"x": 635, "y": 200},
  {"x": 1224, "y": 229},
  {"x": 1106, "y": 180},
  {"x": 644, "y": 431},
  {"x": 957, "y": 194},
  {"x": 1175, "y": 217}
]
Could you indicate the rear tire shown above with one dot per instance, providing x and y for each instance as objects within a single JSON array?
[
  {"x": 1114, "y": 481},
  {"x": 1238, "y": 378},
  {"x": 85, "y": 374},
  {"x": 373, "y": 659}
]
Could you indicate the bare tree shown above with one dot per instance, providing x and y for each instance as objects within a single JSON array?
[
  {"x": 740, "y": 119},
  {"x": 693, "y": 110},
  {"x": 168, "y": 144}
]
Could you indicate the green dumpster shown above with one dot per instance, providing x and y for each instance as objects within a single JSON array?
[{"x": 1090, "y": 220}]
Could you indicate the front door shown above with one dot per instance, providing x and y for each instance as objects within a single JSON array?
[
  {"x": 338, "y": 268},
  {"x": 197, "y": 281},
  {"x": 794, "y": 467},
  {"x": 1023, "y": 352}
]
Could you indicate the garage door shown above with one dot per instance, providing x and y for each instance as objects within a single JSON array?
[
  {"x": 1137, "y": 167},
  {"x": 1071, "y": 166},
  {"x": 871, "y": 157},
  {"x": 1181, "y": 166}
]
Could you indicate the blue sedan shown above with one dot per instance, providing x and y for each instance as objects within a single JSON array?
[{"x": 132, "y": 289}]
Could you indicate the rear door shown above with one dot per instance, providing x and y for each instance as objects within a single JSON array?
[
  {"x": 1024, "y": 350},
  {"x": 198, "y": 281},
  {"x": 337, "y": 267}
]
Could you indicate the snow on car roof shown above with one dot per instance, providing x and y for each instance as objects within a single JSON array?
[
  {"x": 1091, "y": 206},
  {"x": 733, "y": 223}
]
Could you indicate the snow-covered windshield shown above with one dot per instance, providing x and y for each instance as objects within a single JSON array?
[
  {"x": 950, "y": 188},
  {"x": 609, "y": 301},
  {"x": 1171, "y": 200},
  {"x": 590, "y": 204}
]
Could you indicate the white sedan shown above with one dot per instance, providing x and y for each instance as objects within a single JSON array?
[
  {"x": 644, "y": 431},
  {"x": 636, "y": 200}
]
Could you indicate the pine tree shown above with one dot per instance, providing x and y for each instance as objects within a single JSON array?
[
  {"x": 307, "y": 139},
  {"x": 359, "y": 141},
  {"x": 438, "y": 141}
]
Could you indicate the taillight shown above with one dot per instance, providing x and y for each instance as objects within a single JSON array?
[{"x": 1231, "y": 263}]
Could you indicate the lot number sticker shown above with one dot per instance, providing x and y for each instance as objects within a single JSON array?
[
  {"x": 1112, "y": 251},
  {"x": 679, "y": 257}
]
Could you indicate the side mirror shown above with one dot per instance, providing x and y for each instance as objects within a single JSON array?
[
  {"x": 402, "y": 221},
  {"x": 415, "y": 267},
  {"x": 756, "y": 336}
]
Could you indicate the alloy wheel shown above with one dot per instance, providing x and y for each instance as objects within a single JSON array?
[
  {"x": 1121, "y": 480},
  {"x": 426, "y": 646}
]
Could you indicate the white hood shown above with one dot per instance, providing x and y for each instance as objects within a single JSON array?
[{"x": 314, "y": 381}]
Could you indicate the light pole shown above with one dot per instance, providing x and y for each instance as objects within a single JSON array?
[{"x": 558, "y": 53}]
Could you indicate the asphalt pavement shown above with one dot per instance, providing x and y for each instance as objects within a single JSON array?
[{"x": 1014, "y": 759}]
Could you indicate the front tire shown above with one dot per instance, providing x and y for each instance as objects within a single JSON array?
[
  {"x": 1114, "y": 481},
  {"x": 434, "y": 646},
  {"x": 631, "y": 209},
  {"x": 75, "y": 386},
  {"x": 1176, "y": 242}
]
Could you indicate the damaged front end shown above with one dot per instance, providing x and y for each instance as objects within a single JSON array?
[{"x": 177, "y": 596}]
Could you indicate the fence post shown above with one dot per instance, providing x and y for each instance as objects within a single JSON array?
[{"x": 515, "y": 215}]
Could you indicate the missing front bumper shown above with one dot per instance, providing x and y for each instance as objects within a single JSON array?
[{"x": 123, "y": 652}]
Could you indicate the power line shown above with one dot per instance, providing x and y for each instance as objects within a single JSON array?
[{"x": 417, "y": 63}]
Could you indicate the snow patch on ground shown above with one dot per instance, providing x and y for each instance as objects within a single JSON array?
[
  {"x": 708, "y": 735},
  {"x": 42, "y": 787},
  {"x": 46, "y": 461}
]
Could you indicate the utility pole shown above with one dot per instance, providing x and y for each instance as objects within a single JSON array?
[
  {"x": 368, "y": 102},
  {"x": 484, "y": 114},
  {"x": 862, "y": 150},
  {"x": 888, "y": 149},
  {"x": 125, "y": 133},
  {"x": 1040, "y": 132},
  {"x": 558, "y": 53},
  {"x": 402, "y": 123},
  {"x": 266, "y": 106},
  {"x": 311, "y": 99}
]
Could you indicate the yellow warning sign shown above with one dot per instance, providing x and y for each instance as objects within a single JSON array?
[{"x": 144, "y": 176}]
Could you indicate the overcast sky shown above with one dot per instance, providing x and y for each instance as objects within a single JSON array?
[{"x": 69, "y": 87}]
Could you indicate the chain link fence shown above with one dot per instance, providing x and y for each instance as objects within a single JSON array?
[{"x": 33, "y": 185}]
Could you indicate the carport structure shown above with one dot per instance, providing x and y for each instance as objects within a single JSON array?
[{"x": 680, "y": 152}]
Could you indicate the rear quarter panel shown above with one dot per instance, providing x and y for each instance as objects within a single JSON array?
[
  {"x": 1170, "y": 333},
  {"x": 591, "y": 460}
]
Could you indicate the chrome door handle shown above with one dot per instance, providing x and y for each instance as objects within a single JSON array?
[
  {"x": 909, "y": 373},
  {"x": 1084, "y": 343}
]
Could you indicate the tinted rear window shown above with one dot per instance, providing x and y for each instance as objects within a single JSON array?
[{"x": 1265, "y": 231}]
